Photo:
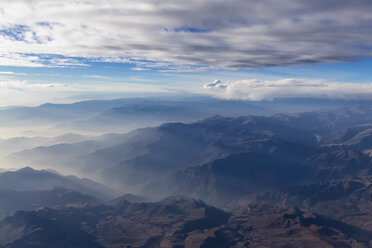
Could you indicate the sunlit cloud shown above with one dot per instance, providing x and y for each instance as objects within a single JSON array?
[{"x": 286, "y": 88}]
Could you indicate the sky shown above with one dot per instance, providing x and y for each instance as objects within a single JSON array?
[{"x": 65, "y": 51}]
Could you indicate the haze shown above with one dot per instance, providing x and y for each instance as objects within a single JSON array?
[{"x": 185, "y": 124}]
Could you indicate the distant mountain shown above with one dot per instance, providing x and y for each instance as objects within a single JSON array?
[
  {"x": 148, "y": 154},
  {"x": 23, "y": 143},
  {"x": 123, "y": 115},
  {"x": 136, "y": 112},
  {"x": 12, "y": 201},
  {"x": 117, "y": 115},
  {"x": 28, "y": 179},
  {"x": 176, "y": 222},
  {"x": 16, "y": 144},
  {"x": 222, "y": 158},
  {"x": 61, "y": 152},
  {"x": 56, "y": 112}
]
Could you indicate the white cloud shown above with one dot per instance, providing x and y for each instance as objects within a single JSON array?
[
  {"x": 139, "y": 69},
  {"x": 23, "y": 85},
  {"x": 101, "y": 77},
  {"x": 218, "y": 34},
  {"x": 286, "y": 88}
]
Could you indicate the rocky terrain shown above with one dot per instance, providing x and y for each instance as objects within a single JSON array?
[{"x": 176, "y": 222}]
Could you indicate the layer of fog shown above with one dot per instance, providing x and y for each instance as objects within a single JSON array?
[{"x": 73, "y": 131}]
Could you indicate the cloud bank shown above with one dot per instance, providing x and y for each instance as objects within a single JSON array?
[
  {"x": 23, "y": 85},
  {"x": 256, "y": 90},
  {"x": 191, "y": 35}
]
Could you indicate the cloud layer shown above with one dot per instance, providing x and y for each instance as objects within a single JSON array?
[
  {"x": 18, "y": 92},
  {"x": 256, "y": 90},
  {"x": 185, "y": 35}
]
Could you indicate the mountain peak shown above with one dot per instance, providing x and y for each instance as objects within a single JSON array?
[{"x": 27, "y": 169}]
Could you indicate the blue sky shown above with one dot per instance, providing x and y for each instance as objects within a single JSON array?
[
  {"x": 111, "y": 48},
  {"x": 101, "y": 72}
]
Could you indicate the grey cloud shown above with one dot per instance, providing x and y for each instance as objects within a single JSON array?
[
  {"x": 215, "y": 84},
  {"x": 229, "y": 34}
]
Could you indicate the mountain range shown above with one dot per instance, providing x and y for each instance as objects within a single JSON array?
[
  {"x": 220, "y": 158},
  {"x": 27, "y": 189},
  {"x": 285, "y": 180}
]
